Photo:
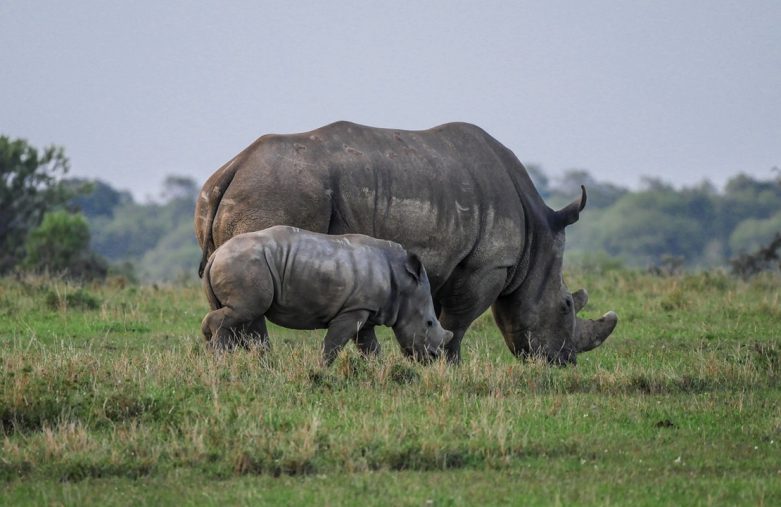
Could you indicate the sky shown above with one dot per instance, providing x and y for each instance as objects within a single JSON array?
[{"x": 682, "y": 90}]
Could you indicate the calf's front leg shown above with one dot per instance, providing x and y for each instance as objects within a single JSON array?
[
  {"x": 367, "y": 342},
  {"x": 340, "y": 330}
]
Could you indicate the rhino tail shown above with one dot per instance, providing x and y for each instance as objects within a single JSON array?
[
  {"x": 214, "y": 303},
  {"x": 208, "y": 241},
  {"x": 213, "y": 199}
]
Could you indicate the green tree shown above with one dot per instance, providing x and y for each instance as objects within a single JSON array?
[
  {"x": 745, "y": 198},
  {"x": 29, "y": 186},
  {"x": 61, "y": 245},
  {"x": 156, "y": 237},
  {"x": 643, "y": 227},
  {"x": 95, "y": 198},
  {"x": 174, "y": 258},
  {"x": 753, "y": 233},
  {"x": 179, "y": 188}
]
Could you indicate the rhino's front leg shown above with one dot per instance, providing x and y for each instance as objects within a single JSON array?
[
  {"x": 475, "y": 293},
  {"x": 366, "y": 341},
  {"x": 340, "y": 330}
]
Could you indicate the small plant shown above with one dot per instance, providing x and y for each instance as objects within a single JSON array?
[
  {"x": 767, "y": 258},
  {"x": 669, "y": 265},
  {"x": 401, "y": 373},
  {"x": 79, "y": 299}
]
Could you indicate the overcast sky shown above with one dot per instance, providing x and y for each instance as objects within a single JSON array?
[{"x": 134, "y": 91}]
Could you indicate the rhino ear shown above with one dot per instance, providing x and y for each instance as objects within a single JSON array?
[
  {"x": 414, "y": 267},
  {"x": 569, "y": 214},
  {"x": 580, "y": 297}
]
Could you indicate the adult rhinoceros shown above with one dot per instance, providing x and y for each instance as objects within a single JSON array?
[{"x": 452, "y": 194}]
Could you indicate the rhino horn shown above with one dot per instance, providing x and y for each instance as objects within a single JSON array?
[
  {"x": 591, "y": 333},
  {"x": 570, "y": 213}
]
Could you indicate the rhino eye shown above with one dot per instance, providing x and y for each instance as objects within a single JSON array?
[
  {"x": 566, "y": 306},
  {"x": 429, "y": 323}
]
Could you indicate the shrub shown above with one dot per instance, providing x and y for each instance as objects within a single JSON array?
[
  {"x": 61, "y": 245},
  {"x": 79, "y": 299},
  {"x": 766, "y": 258}
]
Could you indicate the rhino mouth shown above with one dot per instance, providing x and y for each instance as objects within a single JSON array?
[
  {"x": 561, "y": 358},
  {"x": 433, "y": 352},
  {"x": 564, "y": 358}
]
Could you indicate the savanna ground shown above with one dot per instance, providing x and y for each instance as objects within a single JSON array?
[{"x": 107, "y": 396}]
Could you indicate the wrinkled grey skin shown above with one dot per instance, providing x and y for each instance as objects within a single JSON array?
[
  {"x": 451, "y": 194},
  {"x": 304, "y": 280}
]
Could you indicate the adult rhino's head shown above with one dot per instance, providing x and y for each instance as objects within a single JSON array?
[
  {"x": 556, "y": 333},
  {"x": 540, "y": 318}
]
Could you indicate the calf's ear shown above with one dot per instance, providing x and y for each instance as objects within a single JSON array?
[{"x": 414, "y": 267}]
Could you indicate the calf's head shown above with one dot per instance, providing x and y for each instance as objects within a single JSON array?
[{"x": 417, "y": 329}]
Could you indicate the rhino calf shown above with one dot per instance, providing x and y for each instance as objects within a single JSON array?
[{"x": 305, "y": 280}]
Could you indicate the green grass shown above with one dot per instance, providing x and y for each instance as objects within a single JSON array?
[{"x": 107, "y": 396}]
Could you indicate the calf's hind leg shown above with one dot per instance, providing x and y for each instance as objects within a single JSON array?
[
  {"x": 220, "y": 328},
  {"x": 246, "y": 296}
]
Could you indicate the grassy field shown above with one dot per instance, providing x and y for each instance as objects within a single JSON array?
[{"x": 107, "y": 396}]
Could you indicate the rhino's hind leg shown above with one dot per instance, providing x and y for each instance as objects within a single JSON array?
[
  {"x": 366, "y": 341},
  {"x": 340, "y": 330},
  {"x": 254, "y": 335}
]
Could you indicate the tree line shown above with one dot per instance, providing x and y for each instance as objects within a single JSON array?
[
  {"x": 700, "y": 226},
  {"x": 87, "y": 228}
]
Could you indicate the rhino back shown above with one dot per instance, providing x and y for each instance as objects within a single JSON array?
[{"x": 451, "y": 194}]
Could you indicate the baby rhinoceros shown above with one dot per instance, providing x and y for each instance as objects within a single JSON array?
[{"x": 305, "y": 280}]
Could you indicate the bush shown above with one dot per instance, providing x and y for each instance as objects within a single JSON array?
[
  {"x": 61, "y": 245},
  {"x": 29, "y": 187},
  {"x": 79, "y": 299},
  {"x": 766, "y": 258}
]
